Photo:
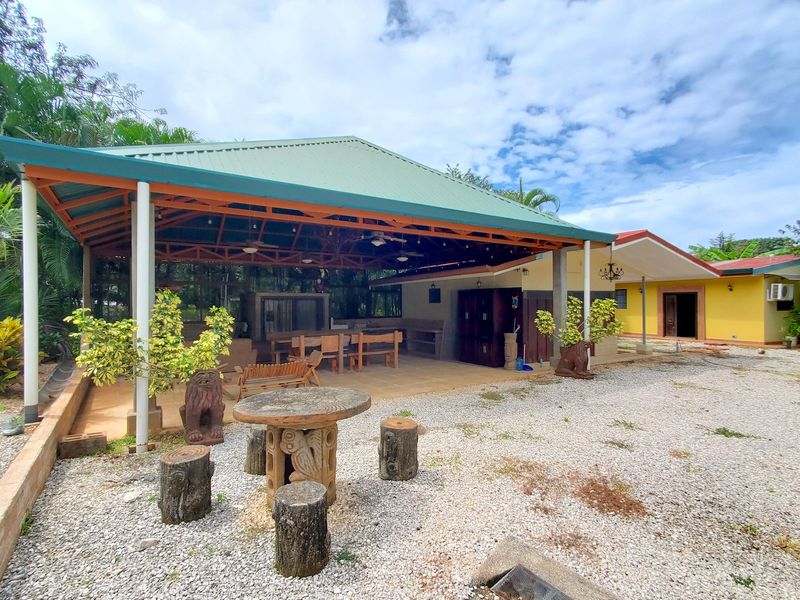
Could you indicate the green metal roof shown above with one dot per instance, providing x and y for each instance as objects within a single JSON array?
[{"x": 342, "y": 171}]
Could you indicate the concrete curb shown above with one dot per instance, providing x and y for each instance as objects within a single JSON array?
[{"x": 25, "y": 478}]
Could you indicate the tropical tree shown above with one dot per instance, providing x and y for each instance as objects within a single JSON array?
[
  {"x": 534, "y": 198},
  {"x": 725, "y": 247},
  {"x": 469, "y": 177}
]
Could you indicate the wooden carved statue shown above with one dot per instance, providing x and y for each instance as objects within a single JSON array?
[
  {"x": 202, "y": 413},
  {"x": 574, "y": 361}
]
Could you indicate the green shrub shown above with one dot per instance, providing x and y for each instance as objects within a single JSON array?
[{"x": 10, "y": 350}]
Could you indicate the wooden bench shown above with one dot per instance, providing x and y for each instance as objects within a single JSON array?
[
  {"x": 257, "y": 378},
  {"x": 333, "y": 347},
  {"x": 388, "y": 346}
]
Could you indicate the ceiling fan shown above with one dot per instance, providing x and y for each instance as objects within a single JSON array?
[
  {"x": 380, "y": 238},
  {"x": 406, "y": 254},
  {"x": 254, "y": 244}
]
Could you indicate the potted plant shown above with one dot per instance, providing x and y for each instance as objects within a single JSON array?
[
  {"x": 110, "y": 352},
  {"x": 792, "y": 327},
  {"x": 574, "y": 349}
]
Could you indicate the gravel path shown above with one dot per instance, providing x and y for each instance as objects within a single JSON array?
[
  {"x": 530, "y": 459},
  {"x": 9, "y": 446}
]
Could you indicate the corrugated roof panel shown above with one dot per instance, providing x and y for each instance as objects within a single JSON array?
[{"x": 346, "y": 164}]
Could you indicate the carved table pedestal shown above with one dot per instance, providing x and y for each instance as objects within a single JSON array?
[{"x": 301, "y": 432}]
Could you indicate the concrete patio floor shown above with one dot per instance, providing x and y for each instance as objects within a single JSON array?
[{"x": 105, "y": 409}]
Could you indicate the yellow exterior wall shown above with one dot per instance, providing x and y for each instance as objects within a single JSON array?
[
  {"x": 737, "y": 315},
  {"x": 774, "y": 326}
]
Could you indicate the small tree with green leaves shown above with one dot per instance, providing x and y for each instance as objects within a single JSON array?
[
  {"x": 602, "y": 321},
  {"x": 111, "y": 351}
]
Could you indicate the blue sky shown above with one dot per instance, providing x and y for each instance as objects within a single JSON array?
[{"x": 677, "y": 116}]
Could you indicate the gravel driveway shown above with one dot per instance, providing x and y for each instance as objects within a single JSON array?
[{"x": 675, "y": 478}]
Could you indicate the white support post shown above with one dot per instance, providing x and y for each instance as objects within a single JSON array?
[
  {"x": 644, "y": 312},
  {"x": 142, "y": 307},
  {"x": 30, "y": 299},
  {"x": 587, "y": 293}
]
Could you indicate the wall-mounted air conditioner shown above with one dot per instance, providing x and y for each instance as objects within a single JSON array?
[{"x": 780, "y": 291}]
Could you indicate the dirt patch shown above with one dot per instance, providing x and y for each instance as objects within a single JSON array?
[
  {"x": 610, "y": 499},
  {"x": 680, "y": 453},
  {"x": 539, "y": 480}
]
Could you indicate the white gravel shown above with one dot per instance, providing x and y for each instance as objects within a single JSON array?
[
  {"x": 9, "y": 446},
  {"x": 97, "y": 531}
]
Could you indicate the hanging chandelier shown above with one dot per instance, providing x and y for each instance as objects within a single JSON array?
[{"x": 611, "y": 271}]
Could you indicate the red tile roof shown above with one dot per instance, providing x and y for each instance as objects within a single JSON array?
[{"x": 758, "y": 262}]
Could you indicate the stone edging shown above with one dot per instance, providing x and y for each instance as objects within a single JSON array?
[{"x": 26, "y": 476}]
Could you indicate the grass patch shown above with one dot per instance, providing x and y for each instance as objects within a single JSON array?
[
  {"x": 788, "y": 544},
  {"x": 3, "y": 407},
  {"x": 629, "y": 425},
  {"x": 618, "y": 444},
  {"x": 404, "y": 413},
  {"x": 566, "y": 419},
  {"x": 470, "y": 430},
  {"x": 174, "y": 575},
  {"x": 493, "y": 396},
  {"x": 730, "y": 433},
  {"x": 544, "y": 381},
  {"x": 120, "y": 446},
  {"x": 27, "y": 523},
  {"x": 222, "y": 497},
  {"x": 345, "y": 555},
  {"x": 453, "y": 461},
  {"x": 680, "y": 453},
  {"x": 694, "y": 386},
  {"x": 168, "y": 441},
  {"x": 152, "y": 498},
  {"x": 749, "y": 529},
  {"x": 745, "y": 581},
  {"x": 505, "y": 435}
]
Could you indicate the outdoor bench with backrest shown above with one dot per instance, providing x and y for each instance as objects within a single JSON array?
[{"x": 257, "y": 378}]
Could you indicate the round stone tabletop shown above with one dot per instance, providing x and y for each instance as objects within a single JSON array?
[{"x": 302, "y": 408}]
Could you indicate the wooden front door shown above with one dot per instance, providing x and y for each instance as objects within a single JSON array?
[
  {"x": 670, "y": 315},
  {"x": 538, "y": 347}
]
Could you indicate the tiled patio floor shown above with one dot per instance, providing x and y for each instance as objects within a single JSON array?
[{"x": 105, "y": 409}]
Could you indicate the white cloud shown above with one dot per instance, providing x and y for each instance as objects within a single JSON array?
[
  {"x": 581, "y": 86},
  {"x": 752, "y": 202}
]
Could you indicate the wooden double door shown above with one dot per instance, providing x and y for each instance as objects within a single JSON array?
[{"x": 483, "y": 317}]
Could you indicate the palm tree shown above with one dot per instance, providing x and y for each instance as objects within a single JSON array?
[{"x": 534, "y": 198}]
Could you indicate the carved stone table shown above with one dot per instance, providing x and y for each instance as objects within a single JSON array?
[{"x": 301, "y": 432}]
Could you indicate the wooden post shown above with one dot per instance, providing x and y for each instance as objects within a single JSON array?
[
  {"x": 256, "y": 461},
  {"x": 186, "y": 484},
  {"x": 302, "y": 541},
  {"x": 398, "y": 449}
]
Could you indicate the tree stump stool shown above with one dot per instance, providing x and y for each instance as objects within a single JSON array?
[
  {"x": 398, "y": 449},
  {"x": 255, "y": 463},
  {"x": 302, "y": 541},
  {"x": 186, "y": 484}
]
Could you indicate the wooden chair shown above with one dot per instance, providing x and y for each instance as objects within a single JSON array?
[
  {"x": 313, "y": 361},
  {"x": 332, "y": 347},
  {"x": 388, "y": 344},
  {"x": 257, "y": 378}
]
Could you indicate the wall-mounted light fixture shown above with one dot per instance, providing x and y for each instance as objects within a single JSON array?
[
  {"x": 433, "y": 286},
  {"x": 525, "y": 271},
  {"x": 307, "y": 261},
  {"x": 479, "y": 284},
  {"x": 730, "y": 287}
]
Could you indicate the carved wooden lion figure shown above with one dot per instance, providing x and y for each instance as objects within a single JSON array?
[
  {"x": 574, "y": 361},
  {"x": 204, "y": 408}
]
